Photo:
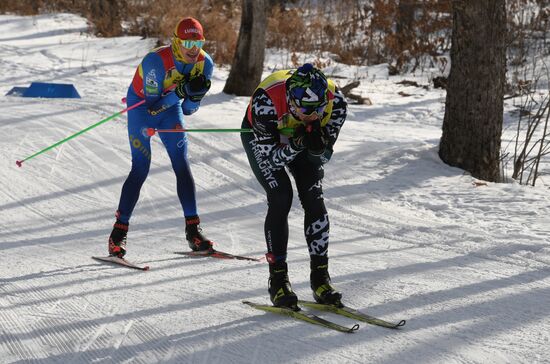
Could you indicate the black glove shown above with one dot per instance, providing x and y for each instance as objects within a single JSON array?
[
  {"x": 314, "y": 138},
  {"x": 297, "y": 140},
  {"x": 194, "y": 89},
  {"x": 322, "y": 158},
  {"x": 180, "y": 88}
]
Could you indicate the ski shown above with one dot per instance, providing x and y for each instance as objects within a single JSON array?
[
  {"x": 218, "y": 254},
  {"x": 121, "y": 261},
  {"x": 352, "y": 313},
  {"x": 303, "y": 316}
]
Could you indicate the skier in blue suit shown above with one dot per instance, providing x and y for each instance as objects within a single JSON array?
[{"x": 184, "y": 67}]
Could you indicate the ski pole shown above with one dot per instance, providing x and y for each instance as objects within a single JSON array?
[
  {"x": 117, "y": 114},
  {"x": 152, "y": 131}
]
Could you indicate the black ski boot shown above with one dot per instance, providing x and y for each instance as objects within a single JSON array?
[
  {"x": 323, "y": 292},
  {"x": 193, "y": 234},
  {"x": 280, "y": 291},
  {"x": 117, "y": 240}
]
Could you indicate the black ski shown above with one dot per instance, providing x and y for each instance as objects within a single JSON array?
[
  {"x": 217, "y": 254},
  {"x": 303, "y": 316},
  {"x": 352, "y": 313},
  {"x": 122, "y": 262}
]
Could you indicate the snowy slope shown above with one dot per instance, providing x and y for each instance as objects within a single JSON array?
[{"x": 411, "y": 238}]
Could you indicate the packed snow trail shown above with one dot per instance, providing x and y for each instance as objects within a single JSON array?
[{"x": 467, "y": 266}]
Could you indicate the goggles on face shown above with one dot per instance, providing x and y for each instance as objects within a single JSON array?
[
  {"x": 305, "y": 114},
  {"x": 190, "y": 43}
]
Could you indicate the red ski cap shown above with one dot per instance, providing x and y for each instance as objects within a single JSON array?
[{"x": 189, "y": 28}]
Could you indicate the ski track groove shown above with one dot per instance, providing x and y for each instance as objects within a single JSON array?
[
  {"x": 12, "y": 342},
  {"x": 102, "y": 334},
  {"x": 64, "y": 342},
  {"x": 91, "y": 343},
  {"x": 58, "y": 342},
  {"x": 32, "y": 295},
  {"x": 96, "y": 347},
  {"x": 162, "y": 350}
]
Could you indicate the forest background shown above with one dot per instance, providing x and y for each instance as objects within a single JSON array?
[{"x": 408, "y": 35}]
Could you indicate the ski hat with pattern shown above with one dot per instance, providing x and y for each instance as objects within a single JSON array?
[{"x": 307, "y": 89}]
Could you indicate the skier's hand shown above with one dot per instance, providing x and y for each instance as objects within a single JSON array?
[
  {"x": 297, "y": 140},
  {"x": 194, "y": 89},
  {"x": 321, "y": 158},
  {"x": 180, "y": 88},
  {"x": 314, "y": 139}
]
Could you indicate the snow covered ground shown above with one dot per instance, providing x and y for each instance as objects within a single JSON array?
[{"x": 411, "y": 238}]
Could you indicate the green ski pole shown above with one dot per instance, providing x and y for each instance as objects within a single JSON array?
[
  {"x": 117, "y": 114},
  {"x": 153, "y": 131}
]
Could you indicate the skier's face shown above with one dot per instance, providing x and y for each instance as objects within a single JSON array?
[
  {"x": 190, "y": 49},
  {"x": 302, "y": 116}
]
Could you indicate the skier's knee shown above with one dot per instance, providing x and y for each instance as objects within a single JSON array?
[{"x": 280, "y": 201}]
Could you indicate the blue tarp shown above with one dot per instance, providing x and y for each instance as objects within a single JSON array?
[{"x": 46, "y": 89}]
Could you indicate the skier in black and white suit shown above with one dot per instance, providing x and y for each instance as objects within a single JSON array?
[{"x": 296, "y": 118}]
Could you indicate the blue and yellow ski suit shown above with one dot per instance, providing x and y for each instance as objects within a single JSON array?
[{"x": 163, "y": 109}]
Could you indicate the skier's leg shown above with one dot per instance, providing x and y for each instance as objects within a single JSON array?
[
  {"x": 140, "y": 146},
  {"x": 309, "y": 178},
  {"x": 141, "y": 160},
  {"x": 176, "y": 146},
  {"x": 279, "y": 199}
]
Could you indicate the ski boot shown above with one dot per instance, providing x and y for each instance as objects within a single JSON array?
[
  {"x": 280, "y": 291},
  {"x": 117, "y": 240},
  {"x": 323, "y": 292},
  {"x": 193, "y": 234}
]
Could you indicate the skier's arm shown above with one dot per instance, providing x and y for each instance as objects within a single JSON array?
[
  {"x": 337, "y": 117},
  {"x": 152, "y": 70},
  {"x": 190, "y": 90},
  {"x": 264, "y": 124},
  {"x": 335, "y": 123}
]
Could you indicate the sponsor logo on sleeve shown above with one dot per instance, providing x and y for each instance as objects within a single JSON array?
[{"x": 151, "y": 84}]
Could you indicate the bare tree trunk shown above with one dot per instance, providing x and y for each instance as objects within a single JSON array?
[
  {"x": 248, "y": 63},
  {"x": 472, "y": 126},
  {"x": 106, "y": 16},
  {"x": 404, "y": 24}
]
